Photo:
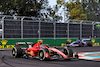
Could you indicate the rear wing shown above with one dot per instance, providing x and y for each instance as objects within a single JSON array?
[{"x": 24, "y": 43}]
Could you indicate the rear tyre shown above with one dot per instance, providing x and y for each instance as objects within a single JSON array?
[
  {"x": 70, "y": 54},
  {"x": 17, "y": 52},
  {"x": 89, "y": 44}
]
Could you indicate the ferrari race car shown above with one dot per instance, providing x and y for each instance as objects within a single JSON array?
[
  {"x": 82, "y": 43},
  {"x": 41, "y": 51}
]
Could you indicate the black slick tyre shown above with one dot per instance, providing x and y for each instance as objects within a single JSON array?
[
  {"x": 69, "y": 53},
  {"x": 42, "y": 54},
  {"x": 17, "y": 52}
]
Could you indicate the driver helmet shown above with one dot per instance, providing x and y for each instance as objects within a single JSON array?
[
  {"x": 41, "y": 41},
  {"x": 78, "y": 40}
]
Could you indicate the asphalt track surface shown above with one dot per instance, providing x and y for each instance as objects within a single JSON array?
[{"x": 6, "y": 60}]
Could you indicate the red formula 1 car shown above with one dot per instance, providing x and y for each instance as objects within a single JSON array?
[{"x": 42, "y": 51}]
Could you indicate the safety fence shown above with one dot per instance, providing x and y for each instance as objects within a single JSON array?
[{"x": 21, "y": 27}]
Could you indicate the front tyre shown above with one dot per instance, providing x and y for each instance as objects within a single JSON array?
[
  {"x": 69, "y": 53},
  {"x": 42, "y": 54},
  {"x": 17, "y": 52}
]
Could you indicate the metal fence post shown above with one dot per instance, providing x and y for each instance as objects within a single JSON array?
[
  {"x": 54, "y": 29},
  {"x": 39, "y": 31},
  {"x": 93, "y": 29},
  {"x": 22, "y": 27},
  {"x": 68, "y": 29},
  {"x": 81, "y": 29},
  {"x": 3, "y": 26}
]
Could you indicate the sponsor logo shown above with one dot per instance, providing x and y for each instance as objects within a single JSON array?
[
  {"x": 94, "y": 42},
  {"x": 4, "y": 42},
  {"x": 97, "y": 26},
  {"x": 6, "y": 46}
]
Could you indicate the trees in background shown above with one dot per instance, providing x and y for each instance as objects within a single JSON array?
[
  {"x": 36, "y": 8},
  {"x": 73, "y": 10},
  {"x": 82, "y": 9},
  {"x": 20, "y": 7},
  {"x": 76, "y": 9},
  {"x": 57, "y": 7},
  {"x": 92, "y": 8}
]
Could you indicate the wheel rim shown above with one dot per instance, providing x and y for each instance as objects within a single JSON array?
[
  {"x": 41, "y": 54},
  {"x": 14, "y": 52}
]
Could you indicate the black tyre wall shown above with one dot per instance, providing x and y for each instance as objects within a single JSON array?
[
  {"x": 70, "y": 53},
  {"x": 19, "y": 51}
]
